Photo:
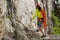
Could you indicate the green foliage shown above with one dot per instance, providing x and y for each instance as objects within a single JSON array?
[
  {"x": 56, "y": 23},
  {"x": 56, "y": 30},
  {"x": 55, "y": 20}
]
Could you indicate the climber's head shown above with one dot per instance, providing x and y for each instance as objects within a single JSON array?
[{"x": 38, "y": 7}]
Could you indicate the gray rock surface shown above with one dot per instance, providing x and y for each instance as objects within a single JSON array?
[{"x": 14, "y": 20}]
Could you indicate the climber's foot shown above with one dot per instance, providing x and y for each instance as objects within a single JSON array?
[{"x": 43, "y": 36}]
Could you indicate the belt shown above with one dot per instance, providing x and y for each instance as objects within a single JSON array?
[{"x": 40, "y": 19}]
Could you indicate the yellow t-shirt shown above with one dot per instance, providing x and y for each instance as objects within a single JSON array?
[{"x": 37, "y": 14}]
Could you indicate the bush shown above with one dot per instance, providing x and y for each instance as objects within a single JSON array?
[{"x": 56, "y": 24}]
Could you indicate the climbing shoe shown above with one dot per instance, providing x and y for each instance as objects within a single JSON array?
[{"x": 43, "y": 36}]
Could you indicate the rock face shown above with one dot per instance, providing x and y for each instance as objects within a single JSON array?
[{"x": 14, "y": 20}]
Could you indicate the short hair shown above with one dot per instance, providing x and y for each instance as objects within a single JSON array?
[{"x": 38, "y": 7}]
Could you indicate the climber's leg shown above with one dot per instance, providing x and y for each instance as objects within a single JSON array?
[
  {"x": 42, "y": 33},
  {"x": 41, "y": 30},
  {"x": 39, "y": 26},
  {"x": 45, "y": 31}
]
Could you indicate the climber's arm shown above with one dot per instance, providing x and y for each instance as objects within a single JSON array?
[{"x": 34, "y": 15}]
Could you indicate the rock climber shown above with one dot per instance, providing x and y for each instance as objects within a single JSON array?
[{"x": 41, "y": 18}]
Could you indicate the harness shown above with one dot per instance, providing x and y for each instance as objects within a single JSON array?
[{"x": 40, "y": 19}]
